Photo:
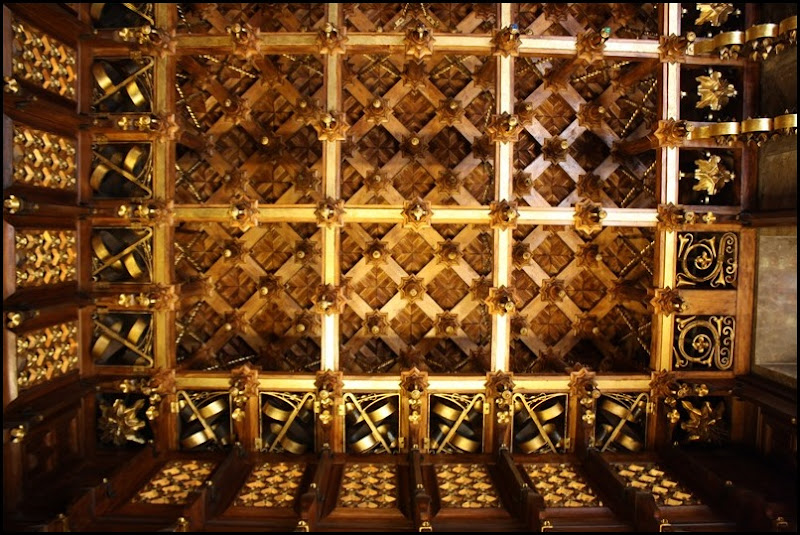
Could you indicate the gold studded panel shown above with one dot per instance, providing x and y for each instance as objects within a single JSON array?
[
  {"x": 175, "y": 483},
  {"x": 42, "y": 60},
  {"x": 45, "y": 257},
  {"x": 272, "y": 485},
  {"x": 649, "y": 477},
  {"x": 43, "y": 159},
  {"x": 561, "y": 486},
  {"x": 368, "y": 486},
  {"x": 46, "y": 353},
  {"x": 466, "y": 486}
]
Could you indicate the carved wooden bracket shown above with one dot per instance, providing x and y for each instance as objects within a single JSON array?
[
  {"x": 671, "y": 217},
  {"x": 503, "y": 214},
  {"x": 244, "y": 385},
  {"x": 419, "y": 41},
  {"x": 330, "y": 41},
  {"x": 500, "y": 386},
  {"x": 662, "y": 384},
  {"x": 588, "y": 216},
  {"x": 504, "y": 128},
  {"x": 414, "y": 386},
  {"x": 506, "y": 41},
  {"x": 583, "y": 387},
  {"x": 666, "y": 301},
  {"x": 673, "y": 48},
  {"x": 329, "y": 390},
  {"x": 329, "y": 299},
  {"x": 329, "y": 213},
  {"x": 417, "y": 214},
  {"x": 501, "y": 300}
]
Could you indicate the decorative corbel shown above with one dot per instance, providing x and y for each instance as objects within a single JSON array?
[
  {"x": 500, "y": 388},
  {"x": 503, "y": 214},
  {"x": 506, "y": 41},
  {"x": 150, "y": 41},
  {"x": 329, "y": 213},
  {"x": 413, "y": 393},
  {"x": 419, "y": 41},
  {"x": 330, "y": 41},
  {"x": 417, "y": 214},
  {"x": 328, "y": 398},
  {"x": 671, "y": 133},
  {"x": 673, "y": 48},
  {"x": 666, "y": 301},
  {"x": 671, "y": 217},
  {"x": 588, "y": 216}
]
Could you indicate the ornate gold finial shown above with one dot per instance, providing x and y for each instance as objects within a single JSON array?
[
  {"x": 412, "y": 288},
  {"x": 714, "y": 91},
  {"x": 13, "y": 204},
  {"x": 583, "y": 387},
  {"x": 377, "y": 181},
  {"x": 376, "y": 111},
  {"x": 450, "y": 111},
  {"x": 243, "y": 213},
  {"x": 521, "y": 255},
  {"x": 713, "y": 13},
  {"x": 673, "y": 48},
  {"x": 329, "y": 387},
  {"x": 672, "y": 133},
  {"x": 119, "y": 423},
  {"x": 711, "y": 175},
  {"x": 552, "y": 290},
  {"x": 244, "y": 385},
  {"x": 329, "y": 41},
  {"x": 672, "y": 217},
  {"x": 306, "y": 110},
  {"x": 376, "y": 324},
  {"x": 448, "y": 253},
  {"x": 504, "y": 128},
  {"x": 448, "y": 182},
  {"x": 331, "y": 126},
  {"x": 591, "y": 115},
  {"x": 666, "y": 301},
  {"x": 419, "y": 41},
  {"x": 415, "y": 383},
  {"x": 329, "y": 213},
  {"x": 588, "y": 216},
  {"x": 590, "y": 44},
  {"x": 329, "y": 299},
  {"x": 501, "y": 300},
  {"x": 447, "y": 324},
  {"x": 417, "y": 213},
  {"x": 503, "y": 214},
  {"x": 555, "y": 149},
  {"x": 247, "y": 41},
  {"x": 414, "y": 146},
  {"x": 506, "y": 41},
  {"x": 376, "y": 252}
]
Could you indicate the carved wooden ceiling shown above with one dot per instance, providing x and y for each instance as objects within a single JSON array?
[{"x": 322, "y": 231}]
